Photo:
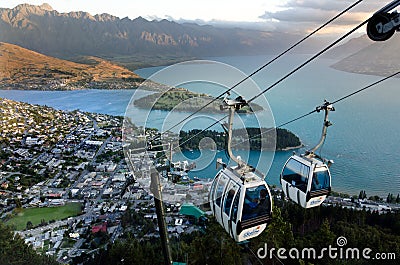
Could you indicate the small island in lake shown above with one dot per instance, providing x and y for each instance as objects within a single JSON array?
[
  {"x": 285, "y": 139},
  {"x": 181, "y": 99}
]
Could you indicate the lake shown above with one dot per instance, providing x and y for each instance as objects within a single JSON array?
[{"x": 363, "y": 141}]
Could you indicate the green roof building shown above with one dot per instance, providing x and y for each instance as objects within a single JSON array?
[{"x": 191, "y": 210}]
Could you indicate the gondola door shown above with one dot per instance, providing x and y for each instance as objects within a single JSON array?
[
  {"x": 229, "y": 212},
  {"x": 220, "y": 190},
  {"x": 295, "y": 177}
]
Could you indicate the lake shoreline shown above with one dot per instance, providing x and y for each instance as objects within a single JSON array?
[{"x": 359, "y": 144}]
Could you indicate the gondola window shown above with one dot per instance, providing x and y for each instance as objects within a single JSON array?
[
  {"x": 254, "y": 203},
  {"x": 220, "y": 189},
  {"x": 228, "y": 201},
  {"x": 296, "y": 173},
  {"x": 320, "y": 181}
]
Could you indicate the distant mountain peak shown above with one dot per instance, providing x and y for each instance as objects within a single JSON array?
[
  {"x": 140, "y": 19},
  {"x": 19, "y": 15},
  {"x": 80, "y": 15},
  {"x": 28, "y": 8},
  {"x": 105, "y": 17},
  {"x": 46, "y": 6}
]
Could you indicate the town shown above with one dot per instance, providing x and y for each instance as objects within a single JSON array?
[
  {"x": 70, "y": 184},
  {"x": 72, "y": 162}
]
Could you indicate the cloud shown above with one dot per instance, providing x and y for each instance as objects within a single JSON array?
[
  {"x": 329, "y": 5},
  {"x": 299, "y": 17},
  {"x": 310, "y": 15},
  {"x": 306, "y": 15},
  {"x": 264, "y": 26}
]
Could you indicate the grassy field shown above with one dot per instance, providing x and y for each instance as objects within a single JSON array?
[{"x": 35, "y": 215}]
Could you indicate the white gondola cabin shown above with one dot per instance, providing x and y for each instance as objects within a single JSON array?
[
  {"x": 240, "y": 200},
  {"x": 306, "y": 181},
  {"x": 241, "y": 204}
]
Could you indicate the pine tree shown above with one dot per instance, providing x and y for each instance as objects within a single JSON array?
[
  {"x": 29, "y": 225},
  {"x": 362, "y": 195},
  {"x": 389, "y": 198},
  {"x": 324, "y": 236},
  {"x": 278, "y": 233}
]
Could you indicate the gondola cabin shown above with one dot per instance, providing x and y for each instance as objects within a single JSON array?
[
  {"x": 241, "y": 203},
  {"x": 306, "y": 181}
]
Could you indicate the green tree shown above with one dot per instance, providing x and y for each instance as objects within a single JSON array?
[
  {"x": 389, "y": 198},
  {"x": 13, "y": 250},
  {"x": 278, "y": 233},
  {"x": 324, "y": 236},
  {"x": 18, "y": 203},
  {"x": 362, "y": 195},
  {"x": 215, "y": 246},
  {"x": 43, "y": 222},
  {"x": 29, "y": 225}
]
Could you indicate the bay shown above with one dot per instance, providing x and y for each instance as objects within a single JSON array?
[{"x": 363, "y": 140}]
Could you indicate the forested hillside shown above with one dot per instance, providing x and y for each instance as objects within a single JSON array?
[
  {"x": 291, "y": 227},
  {"x": 284, "y": 139}
]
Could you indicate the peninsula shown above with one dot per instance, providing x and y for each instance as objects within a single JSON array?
[
  {"x": 181, "y": 99},
  {"x": 369, "y": 58}
]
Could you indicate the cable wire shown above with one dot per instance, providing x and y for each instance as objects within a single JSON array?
[
  {"x": 315, "y": 110},
  {"x": 268, "y": 63},
  {"x": 254, "y": 254},
  {"x": 309, "y": 60},
  {"x": 197, "y": 134},
  {"x": 271, "y": 129},
  {"x": 334, "y": 102},
  {"x": 295, "y": 119},
  {"x": 288, "y": 75},
  {"x": 364, "y": 88}
]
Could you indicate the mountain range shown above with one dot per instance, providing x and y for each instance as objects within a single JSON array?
[
  {"x": 135, "y": 43},
  {"x": 67, "y": 35}
]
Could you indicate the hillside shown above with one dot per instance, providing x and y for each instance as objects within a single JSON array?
[
  {"x": 379, "y": 58},
  {"x": 21, "y": 68},
  {"x": 349, "y": 47},
  {"x": 67, "y": 35}
]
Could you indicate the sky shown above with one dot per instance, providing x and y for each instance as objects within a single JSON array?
[{"x": 274, "y": 15}]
